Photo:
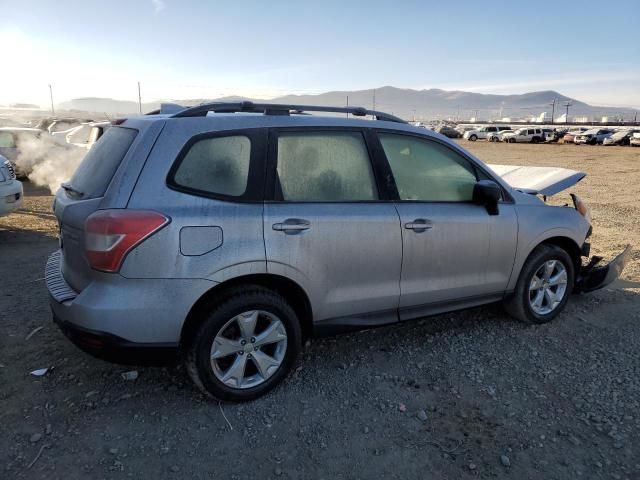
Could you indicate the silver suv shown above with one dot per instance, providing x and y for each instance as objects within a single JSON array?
[{"x": 231, "y": 232}]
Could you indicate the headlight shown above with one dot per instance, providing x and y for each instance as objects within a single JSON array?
[{"x": 581, "y": 207}]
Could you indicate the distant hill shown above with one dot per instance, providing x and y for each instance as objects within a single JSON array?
[{"x": 407, "y": 103}]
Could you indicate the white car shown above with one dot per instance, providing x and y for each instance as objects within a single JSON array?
[
  {"x": 593, "y": 136},
  {"x": 498, "y": 136},
  {"x": 621, "y": 137},
  {"x": 482, "y": 132},
  {"x": 10, "y": 188},
  {"x": 634, "y": 141},
  {"x": 525, "y": 135}
]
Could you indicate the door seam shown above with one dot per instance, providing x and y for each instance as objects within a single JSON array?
[{"x": 395, "y": 207}]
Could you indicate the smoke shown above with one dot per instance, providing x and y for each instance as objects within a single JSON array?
[{"x": 46, "y": 162}]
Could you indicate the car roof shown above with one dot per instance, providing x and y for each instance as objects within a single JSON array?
[{"x": 241, "y": 120}]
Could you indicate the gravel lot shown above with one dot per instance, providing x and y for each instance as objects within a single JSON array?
[{"x": 465, "y": 395}]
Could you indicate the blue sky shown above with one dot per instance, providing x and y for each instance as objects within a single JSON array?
[{"x": 194, "y": 49}]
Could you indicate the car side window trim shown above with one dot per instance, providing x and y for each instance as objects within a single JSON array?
[
  {"x": 273, "y": 192},
  {"x": 393, "y": 189},
  {"x": 255, "y": 189}
]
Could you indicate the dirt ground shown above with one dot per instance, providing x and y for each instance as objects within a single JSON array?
[{"x": 467, "y": 395}]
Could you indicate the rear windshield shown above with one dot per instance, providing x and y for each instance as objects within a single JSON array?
[{"x": 96, "y": 170}]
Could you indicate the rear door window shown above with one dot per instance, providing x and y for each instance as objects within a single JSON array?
[
  {"x": 330, "y": 166},
  {"x": 95, "y": 172}
]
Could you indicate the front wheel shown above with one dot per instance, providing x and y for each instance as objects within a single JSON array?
[
  {"x": 544, "y": 285},
  {"x": 473, "y": 138},
  {"x": 245, "y": 346}
]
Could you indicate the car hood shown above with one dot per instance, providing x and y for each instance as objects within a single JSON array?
[{"x": 538, "y": 180}]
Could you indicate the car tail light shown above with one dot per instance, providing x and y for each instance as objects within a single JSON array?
[{"x": 111, "y": 234}]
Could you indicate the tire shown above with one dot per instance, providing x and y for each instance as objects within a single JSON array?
[
  {"x": 221, "y": 324},
  {"x": 535, "y": 140},
  {"x": 512, "y": 140},
  {"x": 473, "y": 138},
  {"x": 519, "y": 305}
]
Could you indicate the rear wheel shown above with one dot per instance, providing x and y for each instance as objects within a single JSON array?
[
  {"x": 544, "y": 285},
  {"x": 245, "y": 346}
]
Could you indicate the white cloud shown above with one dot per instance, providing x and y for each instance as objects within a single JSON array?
[{"x": 158, "y": 5}]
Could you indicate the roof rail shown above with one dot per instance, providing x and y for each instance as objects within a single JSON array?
[{"x": 279, "y": 109}]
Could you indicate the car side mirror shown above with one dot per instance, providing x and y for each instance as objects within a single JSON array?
[{"x": 487, "y": 193}]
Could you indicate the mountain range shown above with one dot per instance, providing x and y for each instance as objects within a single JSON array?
[{"x": 406, "y": 103}]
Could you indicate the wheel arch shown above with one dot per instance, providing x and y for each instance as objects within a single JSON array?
[
  {"x": 557, "y": 237},
  {"x": 569, "y": 246},
  {"x": 284, "y": 286}
]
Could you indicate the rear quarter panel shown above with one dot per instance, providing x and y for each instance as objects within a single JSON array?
[{"x": 236, "y": 246}]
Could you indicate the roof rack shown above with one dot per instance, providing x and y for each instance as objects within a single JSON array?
[{"x": 279, "y": 109}]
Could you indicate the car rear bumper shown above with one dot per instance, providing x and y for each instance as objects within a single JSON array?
[
  {"x": 10, "y": 196},
  {"x": 112, "y": 348},
  {"x": 593, "y": 277},
  {"x": 114, "y": 315}
]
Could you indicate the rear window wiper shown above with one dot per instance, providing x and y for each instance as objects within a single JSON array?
[{"x": 72, "y": 192}]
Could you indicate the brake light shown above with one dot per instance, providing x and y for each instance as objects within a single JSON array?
[{"x": 112, "y": 234}]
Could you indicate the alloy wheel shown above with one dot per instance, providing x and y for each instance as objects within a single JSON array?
[
  {"x": 548, "y": 287},
  {"x": 249, "y": 349}
]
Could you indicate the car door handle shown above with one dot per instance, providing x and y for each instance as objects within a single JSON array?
[
  {"x": 419, "y": 224},
  {"x": 291, "y": 225}
]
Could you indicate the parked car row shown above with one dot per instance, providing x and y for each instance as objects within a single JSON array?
[
  {"x": 36, "y": 143},
  {"x": 532, "y": 134}
]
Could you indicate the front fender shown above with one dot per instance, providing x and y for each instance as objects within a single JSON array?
[{"x": 539, "y": 223}]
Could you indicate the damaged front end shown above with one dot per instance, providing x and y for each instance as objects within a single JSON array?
[
  {"x": 547, "y": 181},
  {"x": 594, "y": 276}
]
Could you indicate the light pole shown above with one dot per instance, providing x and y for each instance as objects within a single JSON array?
[
  {"x": 553, "y": 109},
  {"x": 374, "y": 101},
  {"x": 53, "y": 112},
  {"x": 567, "y": 104}
]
